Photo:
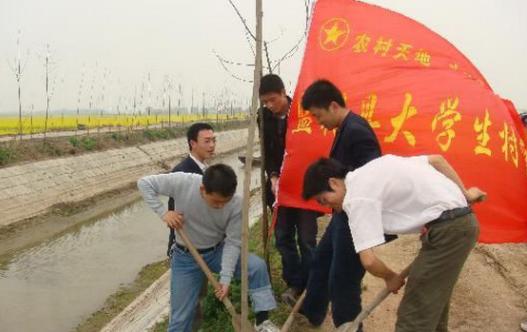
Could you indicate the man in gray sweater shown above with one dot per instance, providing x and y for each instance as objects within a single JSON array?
[{"x": 210, "y": 212}]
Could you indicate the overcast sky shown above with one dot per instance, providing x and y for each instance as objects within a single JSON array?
[{"x": 128, "y": 40}]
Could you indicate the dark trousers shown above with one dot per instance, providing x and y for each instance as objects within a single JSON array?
[
  {"x": 296, "y": 227},
  {"x": 336, "y": 275}
]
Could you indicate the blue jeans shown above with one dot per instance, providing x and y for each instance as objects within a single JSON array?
[
  {"x": 187, "y": 278},
  {"x": 336, "y": 275}
]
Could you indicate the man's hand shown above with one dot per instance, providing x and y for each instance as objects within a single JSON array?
[
  {"x": 222, "y": 291},
  {"x": 375, "y": 266},
  {"x": 274, "y": 181},
  {"x": 394, "y": 282},
  {"x": 475, "y": 195},
  {"x": 173, "y": 219}
]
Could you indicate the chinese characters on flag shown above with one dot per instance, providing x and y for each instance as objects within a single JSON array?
[{"x": 421, "y": 96}]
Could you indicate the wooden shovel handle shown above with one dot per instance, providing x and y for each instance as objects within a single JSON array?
[
  {"x": 291, "y": 317},
  {"x": 383, "y": 294},
  {"x": 204, "y": 267}
]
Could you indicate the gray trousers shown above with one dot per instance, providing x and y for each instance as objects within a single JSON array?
[{"x": 426, "y": 300}]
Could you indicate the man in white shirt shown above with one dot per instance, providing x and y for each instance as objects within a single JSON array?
[{"x": 403, "y": 195}]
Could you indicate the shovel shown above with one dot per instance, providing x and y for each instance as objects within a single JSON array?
[
  {"x": 291, "y": 317},
  {"x": 354, "y": 326},
  {"x": 235, "y": 318}
]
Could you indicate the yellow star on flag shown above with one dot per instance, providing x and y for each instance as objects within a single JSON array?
[{"x": 333, "y": 34}]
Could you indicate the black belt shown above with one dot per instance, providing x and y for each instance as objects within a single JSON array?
[
  {"x": 450, "y": 215},
  {"x": 201, "y": 251}
]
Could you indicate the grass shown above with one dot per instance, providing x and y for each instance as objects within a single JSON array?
[
  {"x": 88, "y": 143},
  {"x": 6, "y": 154}
]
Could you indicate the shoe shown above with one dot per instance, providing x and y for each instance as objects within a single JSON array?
[
  {"x": 290, "y": 296},
  {"x": 267, "y": 326},
  {"x": 523, "y": 326}
]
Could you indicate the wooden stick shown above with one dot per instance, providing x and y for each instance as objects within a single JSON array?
[
  {"x": 265, "y": 216},
  {"x": 291, "y": 317},
  {"x": 354, "y": 326},
  {"x": 236, "y": 321}
]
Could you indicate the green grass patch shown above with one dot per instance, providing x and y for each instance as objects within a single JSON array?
[
  {"x": 88, "y": 143},
  {"x": 156, "y": 134},
  {"x": 6, "y": 155},
  {"x": 74, "y": 141}
]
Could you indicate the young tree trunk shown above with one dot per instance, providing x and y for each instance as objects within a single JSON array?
[{"x": 248, "y": 167}]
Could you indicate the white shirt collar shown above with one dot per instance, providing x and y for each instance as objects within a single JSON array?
[{"x": 201, "y": 165}]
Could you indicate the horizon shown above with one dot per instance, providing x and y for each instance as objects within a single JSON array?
[{"x": 105, "y": 60}]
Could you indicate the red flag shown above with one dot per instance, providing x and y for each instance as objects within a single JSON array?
[{"x": 421, "y": 96}]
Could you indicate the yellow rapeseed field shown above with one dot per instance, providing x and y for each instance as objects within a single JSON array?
[{"x": 35, "y": 124}]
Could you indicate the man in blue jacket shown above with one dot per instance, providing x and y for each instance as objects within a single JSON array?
[{"x": 337, "y": 272}]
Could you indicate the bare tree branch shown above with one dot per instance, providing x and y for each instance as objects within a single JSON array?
[
  {"x": 296, "y": 47},
  {"x": 244, "y": 22},
  {"x": 250, "y": 43},
  {"x": 267, "y": 57},
  {"x": 271, "y": 64},
  {"x": 230, "y": 73},
  {"x": 222, "y": 59}
]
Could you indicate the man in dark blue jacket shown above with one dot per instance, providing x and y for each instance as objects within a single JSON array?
[{"x": 337, "y": 272}]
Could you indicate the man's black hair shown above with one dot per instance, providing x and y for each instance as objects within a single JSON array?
[
  {"x": 271, "y": 83},
  {"x": 523, "y": 116},
  {"x": 220, "y": 179},
  {"x": 316, "y": 178},
  {"x": 320, "y": 94},
  {"x": 193, "y": 132}
]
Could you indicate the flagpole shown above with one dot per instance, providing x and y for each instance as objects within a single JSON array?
[{"x": 248, "y": 169}]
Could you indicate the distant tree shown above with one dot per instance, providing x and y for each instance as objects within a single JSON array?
[{"x": 18, "y": 68}]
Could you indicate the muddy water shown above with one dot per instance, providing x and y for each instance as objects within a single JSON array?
[{"x": 58, "y": 283}]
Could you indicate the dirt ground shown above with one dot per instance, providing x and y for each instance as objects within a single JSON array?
[{"x": 491, "y": 294}]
